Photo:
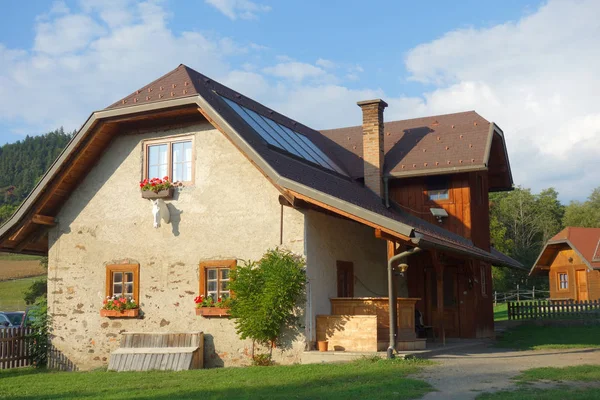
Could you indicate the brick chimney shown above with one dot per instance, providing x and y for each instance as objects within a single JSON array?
[{"x": 373, "y": 151}]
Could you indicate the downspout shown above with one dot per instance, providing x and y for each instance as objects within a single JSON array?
[
  {"x": 392, "y": 299},
  {"x": 386, "y": 191}
]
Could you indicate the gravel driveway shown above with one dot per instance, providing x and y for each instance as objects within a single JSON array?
[{"x": 465, "y": 373}]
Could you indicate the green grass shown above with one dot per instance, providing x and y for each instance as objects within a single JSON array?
[
  {"x": 17, "y": 257},
  {"x": 531, "y": 337},
  {"x": 566, "y": 375},
  {"x": 561, "y": 393},
  {"x": 501, "y": 312},
  {"x": 580, "y": 373},
  {"x": 11, "y": 293},
  {"x": 364, "y": 379}
]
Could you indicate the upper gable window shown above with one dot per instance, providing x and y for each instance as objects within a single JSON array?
[
  {"x": 438, "y": 188},
  {"x": 172, "y": 157}
]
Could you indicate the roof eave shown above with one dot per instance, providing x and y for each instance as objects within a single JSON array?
[{"x": 95, "y": 117}]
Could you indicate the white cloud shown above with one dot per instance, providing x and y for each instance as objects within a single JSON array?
[
  {"x": 537, "y": 78},
  {"x": 327, "y": 64},
  {"x": 294, "y": 70},
  {"x": 243, "y": 9}
]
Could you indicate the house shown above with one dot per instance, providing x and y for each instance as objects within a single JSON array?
[
  {"x": 348, "y": 200},
  {"x": 571, "y": 259}
]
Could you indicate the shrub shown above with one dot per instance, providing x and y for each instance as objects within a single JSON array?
[
  {"x": 38, "y": 339},
  {"x": 267, "y": 293}
]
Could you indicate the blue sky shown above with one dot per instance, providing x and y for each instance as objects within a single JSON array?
[{"x": 529, "y": 66}]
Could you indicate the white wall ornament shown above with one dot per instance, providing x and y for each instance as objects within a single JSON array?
[{"x": 160, "y": 211}]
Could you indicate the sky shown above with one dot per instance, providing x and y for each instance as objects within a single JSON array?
[{"x": 529, "y": 66}]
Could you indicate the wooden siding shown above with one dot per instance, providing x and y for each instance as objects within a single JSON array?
[
  {"x": 562, "y": 265},
  {"x": 594, "y": 284},
  {"x": 480, "y": 209},
  {"x": 411, "y": 195},
  {"x": 473, "y": 316}
]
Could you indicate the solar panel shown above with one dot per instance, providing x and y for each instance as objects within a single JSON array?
[{"x": 284, "y": 138}]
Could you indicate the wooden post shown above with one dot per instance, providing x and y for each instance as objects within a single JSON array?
[
  {"x": 495, "y": 298},
  {"x": 517, "y": 292},
  {"x": 439, "y": 275}
]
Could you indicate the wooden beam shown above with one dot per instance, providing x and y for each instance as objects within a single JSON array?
[
  {"x": 43, "y": 220},
  {"x": 379, "y": 234},
  {"x": 32, "y": 238},
  {"x": 439, "y": 276}
]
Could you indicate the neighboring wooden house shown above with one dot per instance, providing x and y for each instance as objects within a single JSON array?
[
  {"x": 252, "y": 179},
  {"x": 572, "y": 261}
]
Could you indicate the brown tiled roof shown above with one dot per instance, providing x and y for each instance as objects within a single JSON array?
[
  {"x": 585, "y": 241},
  {"x": 175, "y": 84},
  {"x": 419, "y": 145}
]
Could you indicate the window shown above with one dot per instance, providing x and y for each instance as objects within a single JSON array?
[
  {"x": 483, "y": 280},
  {"x": 563, "y": 281},
  {"x": 214, "y": 278},
  {"x": 438, "y": 188},
  {"x": 172, "y": 157},
  {"x": 123, "y": 280}
]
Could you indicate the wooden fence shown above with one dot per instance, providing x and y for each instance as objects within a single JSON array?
[
  {"x": 14, "y": 348},
  {"x": 554, "y": 309}
]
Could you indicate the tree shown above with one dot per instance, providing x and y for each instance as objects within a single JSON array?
[
  {"x": 520, "y": 224},
  {"x": 267, "y": 293},
  {"x": 586, "y": 214}
]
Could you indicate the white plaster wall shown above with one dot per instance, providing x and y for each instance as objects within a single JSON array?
[
  {"x": 232, "y": 211},
  {"x": 329, "y": 239}
]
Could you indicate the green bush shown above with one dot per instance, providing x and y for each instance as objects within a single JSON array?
[
  {"x": 38, "y": 338},
  {"x": 267, "y": 294}
]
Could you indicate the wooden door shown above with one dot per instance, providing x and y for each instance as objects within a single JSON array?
[
  {"x": 345, "y": 279},
  {"x": 582, "y": 286},
  {"x": 451, "y": 302}
]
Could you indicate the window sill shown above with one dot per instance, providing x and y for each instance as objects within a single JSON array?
[
  {"x": 132, "y": 313},
  {"x": 163, "y": 194},
  {"x": 208, "y": 312}
]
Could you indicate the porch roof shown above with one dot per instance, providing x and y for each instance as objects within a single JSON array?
[{"x": 191, "y": 93}]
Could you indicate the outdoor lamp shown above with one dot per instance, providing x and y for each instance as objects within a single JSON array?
[{"x": 402, "y": 268}]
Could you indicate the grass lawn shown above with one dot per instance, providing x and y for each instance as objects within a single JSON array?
[
  {"x": 11, "y": 293},
  {"x": 363, "y": 379},
  {"x": 530, "y": 337},
  {"x": 568, "y": 377},
  {"x": 501, "y": 312}
]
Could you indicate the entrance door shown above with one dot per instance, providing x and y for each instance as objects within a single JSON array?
[
  {"x": 345, "y": 279},
  {"x": 451, "y": 304},
  {"x": 582, "y": 286}
]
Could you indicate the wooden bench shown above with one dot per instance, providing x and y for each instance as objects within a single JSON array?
[{"x": 142, "y": 351}]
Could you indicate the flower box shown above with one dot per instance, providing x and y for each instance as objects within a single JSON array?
[
  {"x": 131, "y": 313},
  {"x": 162, "y": 194},
  {"x": 212, "y": 312}
]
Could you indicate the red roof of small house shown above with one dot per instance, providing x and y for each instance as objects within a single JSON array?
[{"x": 584, "y": 241}]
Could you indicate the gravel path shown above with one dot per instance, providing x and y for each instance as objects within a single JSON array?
[{"x": 465, "y": 373}]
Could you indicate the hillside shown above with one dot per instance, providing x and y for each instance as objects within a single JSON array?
[{"x": 23, "y": 163}]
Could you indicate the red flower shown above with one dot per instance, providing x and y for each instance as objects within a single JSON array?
[
  {"x": 218, "y": 301},
  {"x": 104, "y": 302},
  {"x": 153, "y": 184}
]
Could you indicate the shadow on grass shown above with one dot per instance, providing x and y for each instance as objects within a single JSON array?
[
  {"x": 531, "y": 337},
  {"x": 354, "y": 381}
]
